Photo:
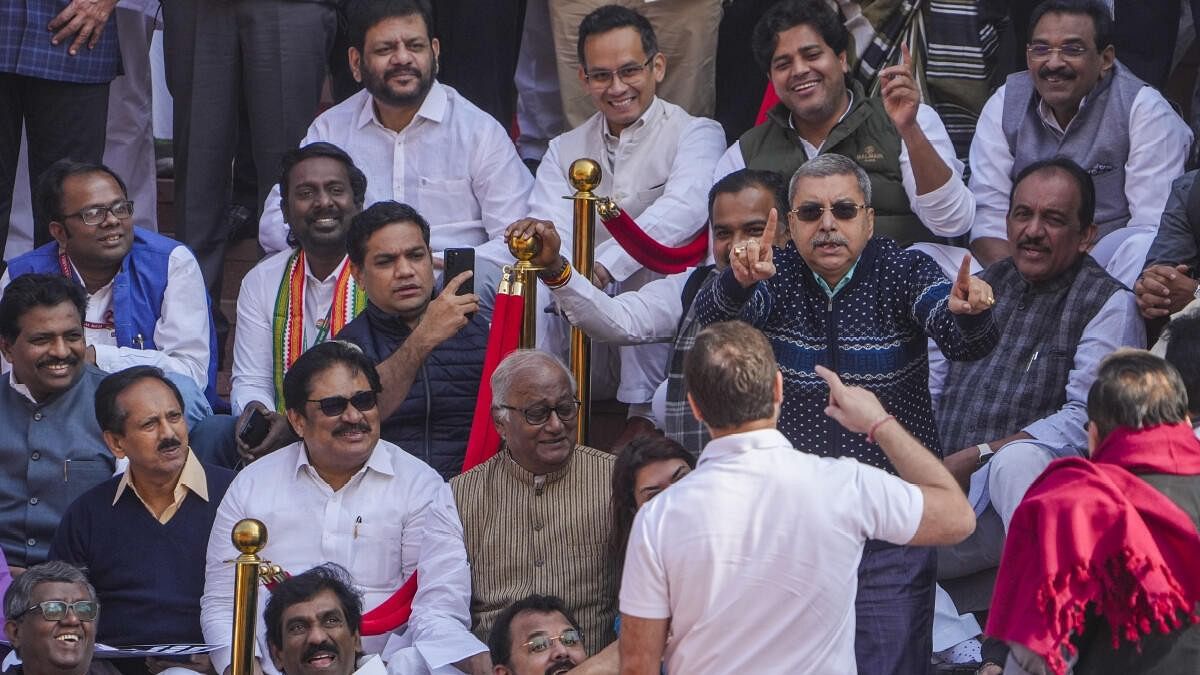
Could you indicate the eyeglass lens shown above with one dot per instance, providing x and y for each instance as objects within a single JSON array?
[{"x": 336, "y": 405}]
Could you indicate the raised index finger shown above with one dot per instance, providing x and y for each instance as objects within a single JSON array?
[
  {"x": 963, "y": 282},
  {"x": 831, "y": 378},
  {"x": 768, "y": 235}
]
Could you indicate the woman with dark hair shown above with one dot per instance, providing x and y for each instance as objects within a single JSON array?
[{"x": 649, "y": 464}]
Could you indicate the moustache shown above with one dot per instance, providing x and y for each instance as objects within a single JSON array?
[
  {"x": 557, "y": 665},
  {"x": 169, "y": 443},
  {"x": 402, "y": 70},
  {"x": 361, "y": 427},
  {"x": 1036, "y": 244},
  {"x": 313, "y": 650},
  {"x": 1065, "y": 73},
  {"x": 829, "y": 238},
  {"x": 69, "y": 361}
]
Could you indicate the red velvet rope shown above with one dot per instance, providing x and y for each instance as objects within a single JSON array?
[
  {"x": 655, "y": 256},
  {"x": 484, "y": 443}
]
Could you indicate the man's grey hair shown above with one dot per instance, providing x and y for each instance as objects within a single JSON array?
[
  {"x": 20, "y": 593},
  {"x": 506, "y": 373},
  {"x": 823, "y": 166}
]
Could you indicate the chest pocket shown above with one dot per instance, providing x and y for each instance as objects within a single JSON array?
[
  {"x": 447, "y": 201},
  {"x": 377, "y": 555}
]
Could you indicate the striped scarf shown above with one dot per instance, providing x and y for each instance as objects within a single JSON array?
[{"x": 288, "y": 325}]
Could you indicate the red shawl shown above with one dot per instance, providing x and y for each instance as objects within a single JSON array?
[{"x": 1093, "y": 534}]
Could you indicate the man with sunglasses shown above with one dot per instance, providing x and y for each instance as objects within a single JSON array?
[
  {"x": 146, "y": 299},
  {"x": 343, "y": 495},
  {"x": 865, "y": 308},
  {"x": 536, "y": 636},
  {"x": 552, "y": 496},
  {"x": 656, "y": 162},
  {"x": 1078, "y": 101},
  {"x": 51, "y": 613}
]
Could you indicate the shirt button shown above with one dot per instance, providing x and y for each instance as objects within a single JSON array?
[
  {"x": 537, "y": 527},
  {"x": 536, "y": 563},
  {"x": 33, "y": 501},
  {"x": 35, "y": 456},
  {"x": 37, "y": 417},
  {"x": 31, "y": 541}
]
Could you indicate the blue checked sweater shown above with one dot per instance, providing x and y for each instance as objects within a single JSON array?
[{"x": 872, "y": 333}]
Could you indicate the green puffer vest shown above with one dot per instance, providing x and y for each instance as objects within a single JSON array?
[{"x": 866, "y": 135}]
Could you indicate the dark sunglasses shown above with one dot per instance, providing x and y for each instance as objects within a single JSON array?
[
  {"x": 56, "y": 610},
  {"x": 333, "y": 406},
  {"x": 811, "y": 213}
]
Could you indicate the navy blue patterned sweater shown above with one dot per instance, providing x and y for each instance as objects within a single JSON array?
[{"x": 872, "y": 333}]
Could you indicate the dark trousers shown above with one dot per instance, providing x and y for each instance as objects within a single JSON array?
[
  {"x": 61, "y": 119},
  {"x": 894, "y": 609},
  {"x": 265, "y": 57},
  {"x": 740, "y": 81}
]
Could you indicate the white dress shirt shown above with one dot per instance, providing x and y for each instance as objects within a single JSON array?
[
  {"x": 1158, "y": 145},
  {"x": 254, "y": 339},
  {"x": 947, "y": 211},
  {"x": 649, "y": 314},
  {"x": 658, "y": 170},
  {"x": 180, "y": 335},
  {"x": 754, "y": 556},
  {"x": 394, "y": 517},
  {"x": 453, "y": 163}
]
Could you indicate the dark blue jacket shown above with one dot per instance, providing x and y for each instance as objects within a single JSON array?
[
  {"x": 138, "y": 291},
  {"x": 434, "y": 422}
]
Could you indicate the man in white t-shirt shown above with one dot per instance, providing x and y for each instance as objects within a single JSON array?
[{"x": 751, "y": 562}]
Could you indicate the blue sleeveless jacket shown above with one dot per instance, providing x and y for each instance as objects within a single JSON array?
[{"x": 138, "y": 291}]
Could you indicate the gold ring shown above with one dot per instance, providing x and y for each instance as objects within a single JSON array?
[
  {"x": 739, "y": 249},
  {"x": 991, "y": 301}
]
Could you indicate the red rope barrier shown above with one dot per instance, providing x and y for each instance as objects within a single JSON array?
[{"x": 655, "y": 256}]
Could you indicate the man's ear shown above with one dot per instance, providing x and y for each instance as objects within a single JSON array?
[
  {"x": 354, "y": 57},
  {"x": 777, "y": 390},
  {"x": 1108, "y": 56},
  {"x": 695, "y": 409},
  {"x": 1089, "y": 238},
  {"x": 297, "y": 421},
  {"x": 498, "y": 421},
  {"x": 501, "y": 670},
  {"x": 660, "y": 67},
  {"x": 12, "y": 631},
  {"x": 6, "y": 349},
  {"x": 276, "y": 657},
  {"x": 113, "y": 441},
  {"x": 59, "y": 232},
  {"x": 357, "y": 273}
]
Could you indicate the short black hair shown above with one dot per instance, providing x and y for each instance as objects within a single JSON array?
[
  {"x": 500, "y": 639},
  {"x": 1083, "y": 182},
  {"x": 1183, "y": 352},
  {"x": 298, "y": 380},
  {"x": 358, "y": 180},
  {"x": 375, "y": 218},
  {"x": 742, "y": 179},
  {"x": 788, "y": 14},
  {"x": 49, "y": 193},
  {"x": 1095, "y": 9},
  {"x": 109, "y": 415},
  {"x": 306, "y": 586},
  {"x": 37, "y": 290},
  {"x": 612, "y": 17},
  {"x": 363, "y": 15}
]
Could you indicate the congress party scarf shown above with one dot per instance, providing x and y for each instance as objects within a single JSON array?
[{"x": 288, "y": 325}]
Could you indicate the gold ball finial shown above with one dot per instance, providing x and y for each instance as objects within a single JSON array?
[
  {"x": 584, "y": 174},
  {"x": 249, "y": 536},
  {"x": 524, "y": 248}
]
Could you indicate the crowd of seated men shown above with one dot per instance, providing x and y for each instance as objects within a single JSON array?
[{"x": 897, "y": 418}]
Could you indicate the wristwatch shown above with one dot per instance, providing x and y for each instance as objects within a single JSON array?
[{"x": 985, "y": 453}]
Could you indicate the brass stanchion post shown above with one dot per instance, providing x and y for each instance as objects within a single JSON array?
[
  {"x": 525, "y": 285},
  {"x": 249, "y": 537},
  {"x": 585, "y": 176}
]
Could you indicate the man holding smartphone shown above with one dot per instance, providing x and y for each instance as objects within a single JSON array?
[
  {"x": 428, "y": 346},
  {"x": 298, "y": 298}
]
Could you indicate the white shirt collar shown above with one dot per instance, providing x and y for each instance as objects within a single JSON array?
[
  {"x": 655, "y": 108},
  {"x": 849, "y": 105},
  {"x": 20, "y": 388},
  {"x": 378, "y": 461},
  {"x": 1048, "y": 118},
  {"x": 333, "y": 276},
  {"x": 433, "y": 108},
  {"x": 743, "y": 442}
]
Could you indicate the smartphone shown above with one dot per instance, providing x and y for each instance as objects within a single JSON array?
[
  {"x": 254, "y": 430},
  {"x": 459, "y": 260}
]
